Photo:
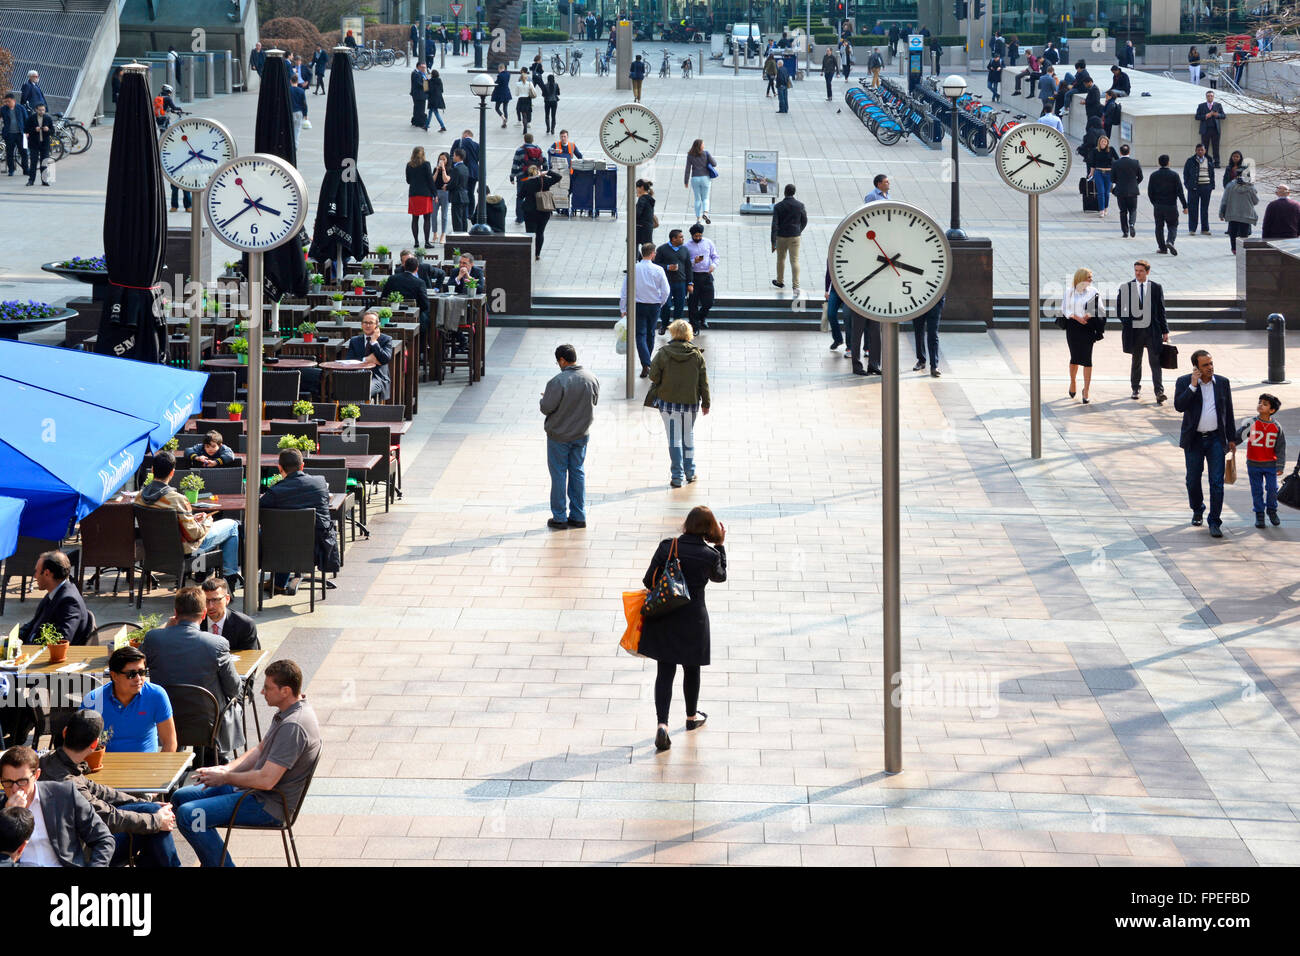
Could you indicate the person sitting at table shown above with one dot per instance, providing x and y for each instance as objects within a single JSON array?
[
  {"x": 16, "y": 826},
  {"x": 198, "y": 532},
  {"x": 182, "y": 654},
  {"x": 278, "y": 766},
  {"x": 411, "y": 286},
  {"x": 239, "y": 630},
  {"x": 296, "y": 489},
  {"x": 137, "y": 823},
  {"x": 374, "y": 350},
  {"x": 62, "y": 605},
  {"x": 138, "y": 713},
  {"x": 212, "y": 452},
  {"x": 466, "y": 269},
  {"x": 66, "y": 830},
  {"x": 427, "y": 272}
]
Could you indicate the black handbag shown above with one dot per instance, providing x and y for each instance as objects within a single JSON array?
[
  {"x": 1289, "y": 493},
  {"x": 1169, "y": 356},
  {"x": 1062, "y": 323},
  {"x": 668, "y": 590}
]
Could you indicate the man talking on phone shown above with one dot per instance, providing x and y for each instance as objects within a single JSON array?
[{"x": 704, "y": 260}]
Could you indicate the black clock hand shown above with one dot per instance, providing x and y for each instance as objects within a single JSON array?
[
  {"x": 863, "y": 281},
  {"x": 193, "y": 155},
  {"x": 236, "y": 215},
  {"x": 902, "y": 265},
  {"x": 257, "y": 204},
  {"x": 637, "y": 136}
]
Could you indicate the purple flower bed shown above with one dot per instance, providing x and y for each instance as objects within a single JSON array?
[
  {"x": 92, "y": 264},
  {"x": 15, "y": 311}
]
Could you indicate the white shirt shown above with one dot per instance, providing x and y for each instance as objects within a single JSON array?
[
  {"x": 651, "y": 285},
  {"x": 1209, "y": 415},
  {"x": 39, "y": 852},
  {"x": 1051, "y": 120},
  {"x": 217, "y": 627},
  {"x": 1079, "y": 303}
]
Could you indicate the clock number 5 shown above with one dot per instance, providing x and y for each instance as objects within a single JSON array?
[{"x": 907, "y": 287}]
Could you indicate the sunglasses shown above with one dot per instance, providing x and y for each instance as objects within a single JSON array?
[{"x": 142, "y": 673}]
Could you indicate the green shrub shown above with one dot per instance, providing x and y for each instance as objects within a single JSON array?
[{"x": 535, "y": 34}]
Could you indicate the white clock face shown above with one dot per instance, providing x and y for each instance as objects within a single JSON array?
[
  {"x": 1033, "y": 158},
  {"x": 890, "y": 261},
  {"x": 631, "y": 133},
  {"x": 192, "y": 150},
  {"x": 257, "y": 202}
]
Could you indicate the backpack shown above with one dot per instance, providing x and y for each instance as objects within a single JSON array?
[{"x": 533, "y": 155}]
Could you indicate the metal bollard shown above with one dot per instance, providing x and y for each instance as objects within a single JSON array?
[{"x": 1276, "y": 350}]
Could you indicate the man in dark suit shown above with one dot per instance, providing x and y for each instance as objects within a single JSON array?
[
  {"x": 430, "y": 275},
  {"x": 407, "y": 281},
  {"x": 419, "y": 92},
  {"x": 1208, "y": 434},
  {"x": 470, "y": 148},
  {"x": 1091, "y": 98},
  {"x": 13, "y": 120},
  {"x": 465, "y": 269},
  {"x": 1144, "y": 329},
  {"x": 459, "y": 192},
  {"x": 239, "y": 630},
  {"x": 67, "y": 831},
  {"x": 297, "y": 490},
  {"x": 374, "y": 351},
  {"x": 1126, "y": 177},
  {"x": 1210, "y": 117},
  {"x": 16, "y": 826},
  {"x": 180, "y": 653},
  {"x": 62, "y": 605},
  {"x": 32, "y": 94}
]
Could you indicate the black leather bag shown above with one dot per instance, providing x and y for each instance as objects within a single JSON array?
[
  {"x": 1169, "y": 356},
  {"x": 668, "y": 590},
  {"x": 1289, "y": 493}
]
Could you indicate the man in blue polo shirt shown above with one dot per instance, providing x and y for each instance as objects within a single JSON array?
[{"x": 136, "y": 711}]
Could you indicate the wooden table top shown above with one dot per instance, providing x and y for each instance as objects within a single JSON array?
[
  {"x": 248, "y": 661},
  {"x": 37, "y": 660},
  {"x": 143, "y": 773},
  {"x": 287, "y": 362},
  {"x": 323, "y": 428}
]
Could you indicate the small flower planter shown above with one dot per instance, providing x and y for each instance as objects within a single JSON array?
[
  {"x": 234, "y": 416},
  {"x": 309, "y": 337},
  {"x": 192, "y": 496},
  {"x": 58, "y": 652},
  {"x": 243, "y": 358},
  {"x": 95, "y": 759}
]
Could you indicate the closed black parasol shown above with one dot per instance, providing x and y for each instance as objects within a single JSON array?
[
  {"x": 135, "y": 228},
  {"x": 284, "y": 268},
  {"x": 340, "y": 231}
]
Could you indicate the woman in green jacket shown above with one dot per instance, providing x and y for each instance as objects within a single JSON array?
[{"x": 679, "y": 388}]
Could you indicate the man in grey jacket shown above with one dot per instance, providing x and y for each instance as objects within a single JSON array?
[
  {"x": 67, "y": 830},
  {"x": 569, "y": 404}
]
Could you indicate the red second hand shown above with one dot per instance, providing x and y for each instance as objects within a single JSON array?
[
  {"x": 871, "y": 234},
  {"x": 1025, "y": 147},
  {"x": 240, "y": 183}
]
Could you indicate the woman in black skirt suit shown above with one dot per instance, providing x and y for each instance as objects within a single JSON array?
[
  {"x": 645, "y": 212},
  {"x": 1084, "y": 316},
  {"x": 419, "y": 192},
  {"x": 682, "y": 636}
]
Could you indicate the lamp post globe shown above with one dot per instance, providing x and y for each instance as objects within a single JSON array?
[
  {"x": 481, "y": 86},
  {"x": 954, "y": 87}
]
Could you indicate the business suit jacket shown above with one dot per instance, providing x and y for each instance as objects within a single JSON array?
[
  {"x": 1188, "y": 401},
  {"x": 359, "y": 347},
  {"x": 185, "y": 655},
  {"x": 300, "y": 490},
  {"x": 460, "y": 180},
  {"x": 1126, "y": 174},
  {"x": 240, "y": 631},
  {"x": 1209, "y": 118},
  {"x": 64, "y": 608},
  {"x": 1134, "y": 337},
  {"x": 459, "y": 287},
  {"x": 419, "y": 82},
  {"x": 105, "y": 801},
  {"x": 470, "y": 148},
  {"x": 71, "y": 821},
  {"x": 411, "y": 287}
]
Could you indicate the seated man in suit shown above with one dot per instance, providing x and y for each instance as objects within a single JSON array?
[
  {"x": 137, "y": 713},
  {"x": 411, "y": 286},
  {"x": 179, "y": 653},
  {"x": 62, "y": 605},
  {"x": 465, "y": 269},
  {"x": 131, "y": 820},
  {"x": 428, "y": 273},
  {"x": 198, "y": 532},
  {"x": 16, "y": 826},
  {"x": 67, "y": 831},
  {"x": 239, "y": 630},
  {"x": 212, "y": 452},
  {"x": 299, "y": 490},
  {"x": 374, "y": 350}
]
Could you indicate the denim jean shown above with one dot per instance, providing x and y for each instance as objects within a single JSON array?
[
  {"x": 433, "y": 114},
  {"x": 224, "y": 534},
  {"x": 1263, "y": 485},
  {"x": 178, "y": 195},
  {"x": 647, "y": 316},
  {"x": 833, "y": 305},
  {"x": 201, "y": 812},
  {"x": 441, "y": 210},
  {"x": 1101, "y": 178},
  {"x": 676, "y": 302},
  {"x": 1201, "y": 450},
  {"x": 700, "y": 190},
  {"x": 782, "y": 99},
  {"x": 565, "y": 461},
  {"x": 152, "y": 850},
  {"x": 680, "y": 427}
]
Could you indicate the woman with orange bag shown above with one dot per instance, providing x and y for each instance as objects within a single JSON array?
[{"x": 682, "y": 636}]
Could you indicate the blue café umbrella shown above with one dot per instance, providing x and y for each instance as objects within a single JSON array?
[
  {"x": 161, "y": 395},
  {"x": 10, "y": 511},
  {"x": 64, "y": 457}
]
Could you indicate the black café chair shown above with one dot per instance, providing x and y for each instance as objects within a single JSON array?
[
  {"x": 288, "y": 546},
  {"x": 217, "y": 481},
  {"x": 160, "y": 534},
  {"x": 290, "y": 816},
  {"x": 281, "y": 386},
  {"x": 272, "y": 410},
  {"x": 351, "y": 388},
  {"x": 224, "y": 426},
  {"x": 105, "y": 629},
  {"x": 108, "y": 543},
  {"x": 216, "y": 411},
  {"x": 337, "y": 479},
  {"x": 374, "y": 414},
  {"x": 381, "y": 444},
  {"x": 51, "y": 718},
  {"x": 220, "y": 387},
  {"x": 22, "y": 563},
  {"x": 197, "y": 716},
  {"x": 270, "y": 445}
]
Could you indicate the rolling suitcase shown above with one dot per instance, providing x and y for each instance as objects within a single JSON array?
[{"x": 1089, "y": 190}]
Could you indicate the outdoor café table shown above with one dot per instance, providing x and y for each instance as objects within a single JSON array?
[
  {"x": 450, "y": 312},
  {"x": 247, "y": 663},
  {"x": 81, "y": 659},
  {"x": 143, "y": 772},
  {"x": 324, "y": 428},
  {"x": 284, "y": 363}
]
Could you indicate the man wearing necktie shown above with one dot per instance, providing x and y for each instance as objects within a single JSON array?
[{"x": 1144, "y": 327}]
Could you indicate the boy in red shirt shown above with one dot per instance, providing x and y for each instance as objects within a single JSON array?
[{"x": 1265, "y": 455}]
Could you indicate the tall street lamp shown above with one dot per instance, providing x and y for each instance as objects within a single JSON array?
[
  {"x": 481, "y": 86},
  {"x": 953, "y": 88}
]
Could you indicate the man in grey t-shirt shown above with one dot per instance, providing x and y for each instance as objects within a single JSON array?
[
  {"x": 275, "y": 772},
  {"x": 569, "y": 404}
]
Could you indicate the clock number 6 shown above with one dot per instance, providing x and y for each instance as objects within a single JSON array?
[{"x": 253, "y": 229}]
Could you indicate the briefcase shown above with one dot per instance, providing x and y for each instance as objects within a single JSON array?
[
  {"x": 1089, "y": 190},
  {"x": 1169, "y": 356}
]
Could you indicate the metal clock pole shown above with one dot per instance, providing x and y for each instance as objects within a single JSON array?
[
  {"x": 631, "y": 280},
  {"x": 196, "y": 275},
  {"x": 253, "y": 460},
  {"x": 889, "y": 540},
  {"x": 1035, "y": 333}
]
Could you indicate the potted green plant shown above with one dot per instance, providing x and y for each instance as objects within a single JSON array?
[
  {"x": 358, "y": 284},
  {"x": 338, "y": 315},
  {"x": 239, "y": 348},
  {"x": 384, "y": 253},
  {"x": 472, "y": 285},
  {"x": 317, "y": 281},
  {"x": 147, "y": 623},
  {"x": 304, "y": 410},
  {"x": 48, "y": 636},
  {"x": 192, "y": 484},
  {"x": 419, "y": 252},
  {"x": 385, "y": 314},
  {"x": 301, "y": 442},
  {"x": 455, "y": 253},
  {"x": 271, "y": 480},
  {"x": 396, "y": 299},
  {"x": 172, "y": 444},
  {"x": 308, "y": 331},
  {"x": 232, "y": 269},
  {"x": 235, "y": 410},
  {"x": 336, "y": 296},
  {"x": 350, "y": 414},
  {"x": 95, "y": 759}
]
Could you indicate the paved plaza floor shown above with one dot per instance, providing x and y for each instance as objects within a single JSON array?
[{"x": 1088, "y": 680}]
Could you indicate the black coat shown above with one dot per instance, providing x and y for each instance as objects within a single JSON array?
[
  {"x": 682, "y": 636},
  {"x": 645, "y": 219},
  {"x": 418, "y": 80},
  {"x": 1092, "y": 101},
  {"x": 529, "y": 188},
  {"x": 1188, "y": 401},
  {"x": 434, "y": 98},
  {"x": 419, "y": 180},
  {"x": 1126, "y": 174},
  {"x": 1111, "y": 113},
  {"x": 1127, "y": 309},
  {"x": 459, "y": 190}
]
